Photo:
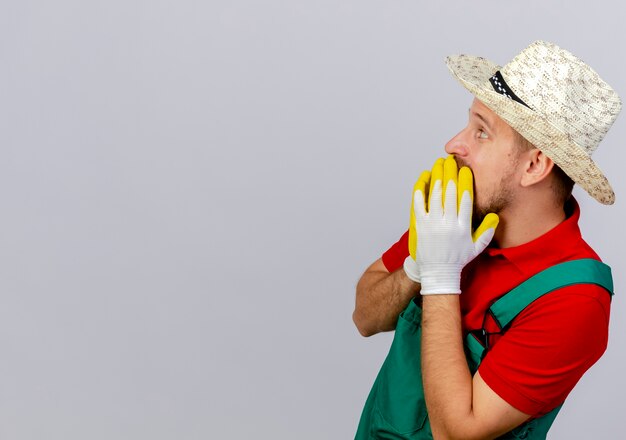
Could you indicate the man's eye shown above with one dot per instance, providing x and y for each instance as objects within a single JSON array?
[{"x": 482, "y": 134}]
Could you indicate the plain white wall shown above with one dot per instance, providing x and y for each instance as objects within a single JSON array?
[{"x": 190, "y": 191}]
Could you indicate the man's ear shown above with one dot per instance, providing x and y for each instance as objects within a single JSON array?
[{"x": 537, "y": 167}]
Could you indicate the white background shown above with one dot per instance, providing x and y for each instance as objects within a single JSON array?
[{"x": 190, "y": 191}]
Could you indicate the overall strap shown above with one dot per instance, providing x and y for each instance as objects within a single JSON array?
[
  {"x": 583, "y": 271},
  {"x": 507, "y": 307}
]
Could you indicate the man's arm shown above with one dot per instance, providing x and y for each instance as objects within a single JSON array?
[
  {"x": 380, "y": 297},
  {"x": 459, "y": 406}
]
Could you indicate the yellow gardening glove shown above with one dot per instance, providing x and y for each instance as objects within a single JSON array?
[
  {"x": 445, "y": 170},
  {"x": 421, "y": 184},
  {"x": 411, "y": 264},
  {"x": 443, "y": 224}
]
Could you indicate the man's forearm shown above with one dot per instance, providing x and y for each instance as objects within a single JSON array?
[
  {"x": 445, "y": 374},
  {"x": 380, "y": 297}
]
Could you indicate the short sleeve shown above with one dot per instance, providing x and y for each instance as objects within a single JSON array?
[
  {"x": 394, "y": 257},
  {"x": 547, "y": 349}
]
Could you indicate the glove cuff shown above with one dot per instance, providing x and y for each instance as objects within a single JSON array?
[{"x": 440, "y": 279}]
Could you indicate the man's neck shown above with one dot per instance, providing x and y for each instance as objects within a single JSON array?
[{"x": 525, "y": 222}]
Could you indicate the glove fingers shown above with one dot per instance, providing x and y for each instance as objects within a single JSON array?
[
  {"x": 420, "y": 185},
  {"x": 489, "y": 223},
  {"x": 449, "y": 210},
  {"x": 435, "y": 203},
  {"x": 482, "y": 241},
  {"x": 412, "y": 231},
  {"x": 450, "y": 173},
  {"x": 420, "y": 204},
  {"x": 466, "y": 183},
  {"x": 450, "y": 184},
  {"x": 465, "y": 211},
  {"x": 436, "y": 175}
]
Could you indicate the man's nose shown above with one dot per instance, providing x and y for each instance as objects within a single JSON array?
[{"x": 457, "y": 145}]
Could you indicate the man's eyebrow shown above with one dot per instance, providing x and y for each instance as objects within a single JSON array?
[{"x": 482, "y": 118}]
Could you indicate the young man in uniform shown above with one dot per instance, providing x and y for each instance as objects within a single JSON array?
[{"x": 532, "y": 128}]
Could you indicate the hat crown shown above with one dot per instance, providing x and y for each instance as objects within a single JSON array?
[{"x": 566, "y": 91}]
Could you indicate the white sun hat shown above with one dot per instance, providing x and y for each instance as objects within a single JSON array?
[{"x": 553, "y": 99}]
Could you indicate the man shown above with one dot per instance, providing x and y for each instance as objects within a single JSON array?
[{"x": 533, "y": 126}]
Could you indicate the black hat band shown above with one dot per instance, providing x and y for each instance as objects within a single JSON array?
[{"x": 500, "y": 86}]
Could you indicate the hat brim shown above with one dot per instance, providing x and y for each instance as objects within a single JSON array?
[{"x": 474, "y": 72}]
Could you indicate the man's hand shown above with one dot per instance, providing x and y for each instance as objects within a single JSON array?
[
  {"x": 412, "y": 263},
  {"x": 446, "y": 243}
]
